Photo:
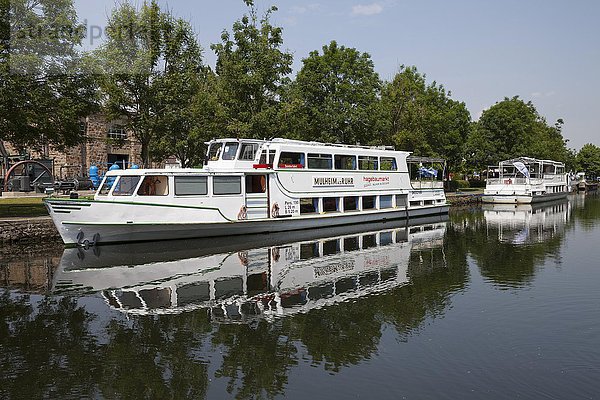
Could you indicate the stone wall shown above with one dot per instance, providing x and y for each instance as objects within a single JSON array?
[{"x": 28, "y": 230}]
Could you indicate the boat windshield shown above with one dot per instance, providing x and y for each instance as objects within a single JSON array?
[
  {"x": 230, "y": 150},
  {"x": 214, "y": 151}
]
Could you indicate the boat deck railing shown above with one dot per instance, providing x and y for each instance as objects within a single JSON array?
[
  {"x": 525, "y": 181},
  {"x": 427, "y": 184}
]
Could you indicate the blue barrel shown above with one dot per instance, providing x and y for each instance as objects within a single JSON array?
[
  {"x": 94, "y": 176},
  {"x": 134, "y": 166}
]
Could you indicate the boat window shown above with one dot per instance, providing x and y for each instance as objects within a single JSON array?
[
  {"x": 154, "y": 185},
  {"x": 126, "y": 185},
  {"x": 320, "y": 161},
  {"x": 330, "y": 204},
  {"x": 227, "y": 185},
  {"x": 107, "y": 184},
  {"x": 309, "y": 205},
  {"x": 401, "y": 200},
  {"x": 191, "y": 185},
  {"x": 388, "y": 164},
  {"x": 291, "y": 160},
  {"x": 385, "y": 201},
  {"x": 263, "y": 157},
  {"x": 214, "y": 151},
  {"x": 368, "y": 202},
  {"x": 248, "y": 151},
  {"x": 345, "y": 162},
  {"x": 230, "y": 150},
  {"x": 368, "y": 163},
  {"x": 256, "y": 183},
  {"x": 350, "y": 203}
]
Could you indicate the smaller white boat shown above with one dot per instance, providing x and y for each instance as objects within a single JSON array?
[{"x": 526, "y": 180}]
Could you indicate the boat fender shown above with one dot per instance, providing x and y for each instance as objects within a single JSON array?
[
  {"x": 243, "y": 214},
  {"x": 275, "y": 210},
  {"x": 508, "y": 181}
]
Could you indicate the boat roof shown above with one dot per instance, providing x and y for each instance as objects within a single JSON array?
[{"x": 530, "y": 160}]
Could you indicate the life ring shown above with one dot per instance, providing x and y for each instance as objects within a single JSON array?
[
  {"x": 275, "y": 210},
  {"x": 243, "y": 214}
]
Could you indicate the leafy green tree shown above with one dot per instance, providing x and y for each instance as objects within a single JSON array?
[
  {"x": 513, "y": 128},
  {"x": 588, "y": 160},
  {"x": 45, "y": 88},
  {"x": 252, "y": 70},
  {"x": 337, "y": 96},
  {"x": 423, "y": 118},
  {"x": 150, "y": 61}
]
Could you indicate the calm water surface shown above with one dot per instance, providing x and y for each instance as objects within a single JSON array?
[{"x": 491, "y": 303}]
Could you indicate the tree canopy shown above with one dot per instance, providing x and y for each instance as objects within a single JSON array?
[{"x": 588, "y": 160}]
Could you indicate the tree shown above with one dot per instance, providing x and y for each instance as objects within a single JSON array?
[
  {"x": 513, "y": 128},
  {"x": 588, "y": 160},
  {"x": 45, "y": 87},
  {"x": 150, "y": 61},
  {"x": 423, "y": 118},
  {"x": 251, "y": 71},
  {"x": 337, "y": 93}
]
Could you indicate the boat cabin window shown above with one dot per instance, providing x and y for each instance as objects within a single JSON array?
[
  {"x": 368, "y": 202},
  {"x": 223, "y": 185},
  {"x": 320, "y": 161},
  {"x": 350, "y": 203},
  {"x": 263, "y": 157},
  {"x": 248, "y": 151},
  {"x": 256, "y": 183},
  {"x": 107, "y": 184},
  {"x": 191, "y": 185},
  {"x": 345, "y": 162},
  {"x": 368, "y": 163},
  {"x": 309, "y": 205},
  {"x": 291, "y": 160},
  {"x": 154, "y": 185},
  {"x": 214, "y": 151},
  {"x": 230, "y": 150},
  {"x": 126, "y": 185},
  {"x": 385, "y": 201},
  {"x": 331, "y": 204},
  {"x": 388, "y": 164}
]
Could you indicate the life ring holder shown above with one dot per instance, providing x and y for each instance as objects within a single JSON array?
[
  {"x": 243, "y": 214},
  {"x": 275, "y": 210}
]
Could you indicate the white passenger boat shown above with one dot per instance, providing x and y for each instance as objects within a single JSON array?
[
  {"x": 254, "y": 276},
  {"x": 526, "y": 180},
  {"x": 253, "y": 186}
]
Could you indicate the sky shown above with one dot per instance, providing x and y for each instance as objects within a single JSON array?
[{"x": 544, "y": 51}]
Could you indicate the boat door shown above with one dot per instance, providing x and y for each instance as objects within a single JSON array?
[{"x": 257, "y": 199}]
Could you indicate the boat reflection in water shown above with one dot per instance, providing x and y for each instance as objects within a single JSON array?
[
  {"x": 525, "y": 223},
  {"x": 259, "y": 276}
]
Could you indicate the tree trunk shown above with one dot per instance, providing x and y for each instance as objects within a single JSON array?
[{"x": 145, "y": 154}]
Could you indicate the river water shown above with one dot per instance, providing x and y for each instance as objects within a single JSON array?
[{"x": 491, "y": 302}]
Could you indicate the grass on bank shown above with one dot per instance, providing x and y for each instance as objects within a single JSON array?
[{"x": 22, "y": 207}]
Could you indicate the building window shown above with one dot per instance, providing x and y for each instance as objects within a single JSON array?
[
  {"x": 330, "y": 204},
  {"x": 345, "y": 162},
  {"x": 368, "y": 163},
  {"x": 350, "y": 203},
  {"x": 154, "y": 185},
  {"x": 191, "y": 185},
  {"x": 320, "y": 161},
  {"x": 291, "y": 160},
  {"x": 388, "y": 164},
  {"x": 223, "y": 185},
  {"x": 309, "y": 205},
  {"x": 368, "y": 202},
  {"x": 126, "y": 185},
  {"x": 117, "y": 132}
]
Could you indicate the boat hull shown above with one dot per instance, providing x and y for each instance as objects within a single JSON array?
[
  {"x": 84, "y": 233},
  {"x": 522, "y": 199}
]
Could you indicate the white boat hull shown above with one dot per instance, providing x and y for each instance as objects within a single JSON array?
[{"x": 522, "y": 199}]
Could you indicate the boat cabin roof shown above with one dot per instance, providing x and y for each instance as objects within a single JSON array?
[{"x": 531, "y": 160}]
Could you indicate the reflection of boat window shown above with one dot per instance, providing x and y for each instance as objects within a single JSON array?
[
  {"x": 388, "y": 274},
  {"x": 385, "y": 238},
  {"x": 257, "y": 283},
  {"x": 369, "y": 241},
  {"x": 156, "y": 298},
  {"x": 369, "y": 279},
  {"x": 321, "y": 292},
  {"x": 345, "y": 285},
  {"x": 250, "y": 308},
  {"x": 331, "y": 247},
  {"x": 112, "y": 301},
  {"x": 309, "y": 250},
  {"x": 129, "y": 300},
  {"x": 233, "y": 311},
  {"x": 351, "y": 243},
  {"x": 294, "y": 299},
  {"x": 415, "y": 229},
  {"x": 229, "y": 287},
  {"x": 194, "y": 293}
]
